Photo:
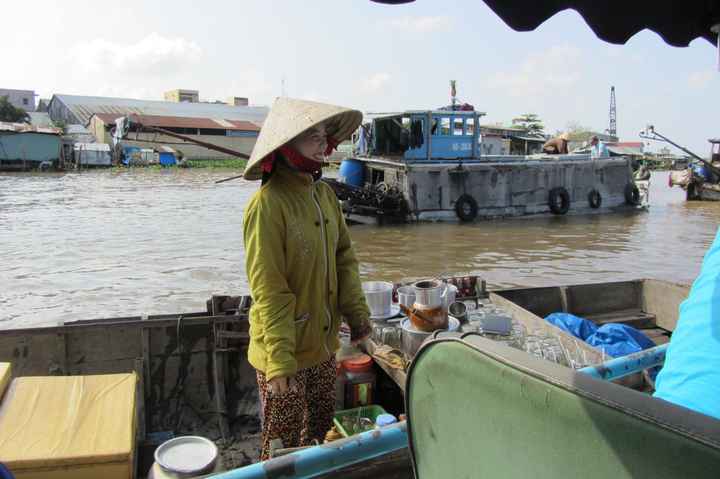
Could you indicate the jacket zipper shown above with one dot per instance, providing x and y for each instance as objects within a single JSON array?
[{"x": 325, "y": 263}]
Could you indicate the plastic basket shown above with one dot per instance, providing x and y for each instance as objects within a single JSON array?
[{"x": 371, "y": 412}]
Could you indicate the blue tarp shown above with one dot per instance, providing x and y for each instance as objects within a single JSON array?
[
  {"x": 615, "y": 339},
  {"x": 691, "y": 375}
]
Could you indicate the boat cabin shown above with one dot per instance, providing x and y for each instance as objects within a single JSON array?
[
  {"x": 424, "y": 135},
  {"x": 714, "y": 150}
]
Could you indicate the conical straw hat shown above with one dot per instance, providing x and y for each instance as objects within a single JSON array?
[{"x": 289, "y": 118}]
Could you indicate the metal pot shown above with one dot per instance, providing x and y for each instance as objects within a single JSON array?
[
  {"x": 459, "y": 311},
  {"x": 412, "y": 339},
  {"x": 429, "y": 294},
  {"x": 406, "y": 296}
]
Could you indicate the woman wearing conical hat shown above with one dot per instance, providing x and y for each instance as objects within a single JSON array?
[{"x": 301, "y": 268}]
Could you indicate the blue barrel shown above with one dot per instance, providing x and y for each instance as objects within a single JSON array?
[
  {"x": 352, "y": 172},
  {"x": 167, "y": 158}
]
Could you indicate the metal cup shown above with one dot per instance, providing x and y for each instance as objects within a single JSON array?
[
  {"x": 459, "y": 311},
  {"x": 378, "y": 295},
  {"x": 406, "y": 296}
]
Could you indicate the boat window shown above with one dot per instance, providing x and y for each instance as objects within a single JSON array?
[
  {"x": 445, "y": 126},
  {"x": 391, "y": 136},
  {"x": 417, "y": 132},
  {"x": 470, "y": 126},
  {"x": 458, "y": 127}
]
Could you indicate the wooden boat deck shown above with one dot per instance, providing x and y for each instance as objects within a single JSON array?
[{"x": 195, "y": 378}]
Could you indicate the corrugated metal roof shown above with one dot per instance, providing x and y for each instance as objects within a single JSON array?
[
  {"x": 629, "y": 144},
  {"x": 83, "y": 107},
  {"x": 76, "y": 130},
  {"x": 41, "y": 119},
  {"x": 183, "y": 122},
  {"x": 26, "y": 128},
  {"x": 534, "y": 139},
  {"x": 625, "y": 150},
  {"x": 91, "y": 146}
]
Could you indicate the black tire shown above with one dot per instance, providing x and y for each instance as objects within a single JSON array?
[
  {"x": 632, "y": 194},
  {"x": 559, "y": 200},
  {"x": 466, "y": 208},
  {"x": 595, "y": 199}
]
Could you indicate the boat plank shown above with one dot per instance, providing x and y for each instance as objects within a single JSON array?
[
  {"x": 657, "y": 335},
  {"x": 100, "y": 345},
  {"x": 662, "y": 299},
  {"x": 397, "y": 375},
  {"x": 193, "y": 339},
  {"x": 31, "y": 355},
  {"x": 396, "y": 465},
  {"x": 534, "y": 323},
  {"x": 587, "y": 299},
  {"x": 112, "y": 366},
  {"x": 633, "y": 317},
  {"x": 540, "y": 301}
]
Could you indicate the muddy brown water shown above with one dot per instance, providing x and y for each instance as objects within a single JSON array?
[{"x": 113, "y": 243}]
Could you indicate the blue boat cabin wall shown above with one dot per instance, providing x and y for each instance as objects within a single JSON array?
[{"x": 452, "y": 137}]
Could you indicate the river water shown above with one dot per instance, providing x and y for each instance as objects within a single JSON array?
[{"x": 119, "y": 243}]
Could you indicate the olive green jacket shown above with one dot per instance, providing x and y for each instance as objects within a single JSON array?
[{"x": 303, "y": 274}]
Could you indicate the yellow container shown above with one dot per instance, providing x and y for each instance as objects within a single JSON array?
[
  {"x": 5, "y": 376},
  {"x": 64, "y": 427}
]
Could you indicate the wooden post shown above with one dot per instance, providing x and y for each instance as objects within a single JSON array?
[
  {"x": 218, "y": 347},
  {"x": 428, "y": 136},
  {"x": 62, "y": 353},
  {"x": 140, "y": 394}
]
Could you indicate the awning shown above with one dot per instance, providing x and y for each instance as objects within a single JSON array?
[
  {"x": 615, "y": 21},
  {"x": 678, "y": 23}
]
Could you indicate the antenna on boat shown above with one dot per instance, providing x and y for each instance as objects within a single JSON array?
[
  {"x": 453, "y": 94},
  {"x": 612, "y": 129}
]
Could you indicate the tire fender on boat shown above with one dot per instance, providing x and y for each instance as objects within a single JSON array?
[
  {"x": 559, "y": 200},
  {"x": 595, "y": 199},
  {"x": 632, "y": 194},
  {"x": 466, "y": 208}
]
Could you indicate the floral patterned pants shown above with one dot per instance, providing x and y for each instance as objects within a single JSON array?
[{"x": 302, "y": 415}]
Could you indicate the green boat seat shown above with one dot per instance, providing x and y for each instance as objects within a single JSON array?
[{"x": 479, "y": 409}]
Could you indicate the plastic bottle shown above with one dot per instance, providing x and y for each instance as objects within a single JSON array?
[
  {"x": 360, "y": 377},
  {"x": 384, "y": 420}
]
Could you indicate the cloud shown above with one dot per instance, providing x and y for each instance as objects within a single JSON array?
[
  {"x": 422, "y": 24},
  {"x": 151, "y": 55},
  {"x": 375, "y": 82},
  {"x": 699, "y": 80},
  {"x": 541, "y": 72},
  {"x": 250, "y": 82}
]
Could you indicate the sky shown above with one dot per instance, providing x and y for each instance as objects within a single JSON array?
[{"x": 365, "y": 55}]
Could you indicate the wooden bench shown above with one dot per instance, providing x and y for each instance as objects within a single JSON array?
[{"x": 632, "y": 317}]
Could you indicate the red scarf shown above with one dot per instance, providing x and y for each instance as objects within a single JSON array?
[{"x": 297, "y": 160}]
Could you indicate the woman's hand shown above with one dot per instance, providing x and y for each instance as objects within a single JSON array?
[
  {"x": 361, "y": 334},
  {"x": 282, "y": 385}
]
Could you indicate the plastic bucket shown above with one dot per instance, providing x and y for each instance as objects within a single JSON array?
[{"x": 352, "y": 172}]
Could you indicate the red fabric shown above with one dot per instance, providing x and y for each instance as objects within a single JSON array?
[
  {"x": 267, "y": 163},
  {"x": 302, "y": 163}
]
